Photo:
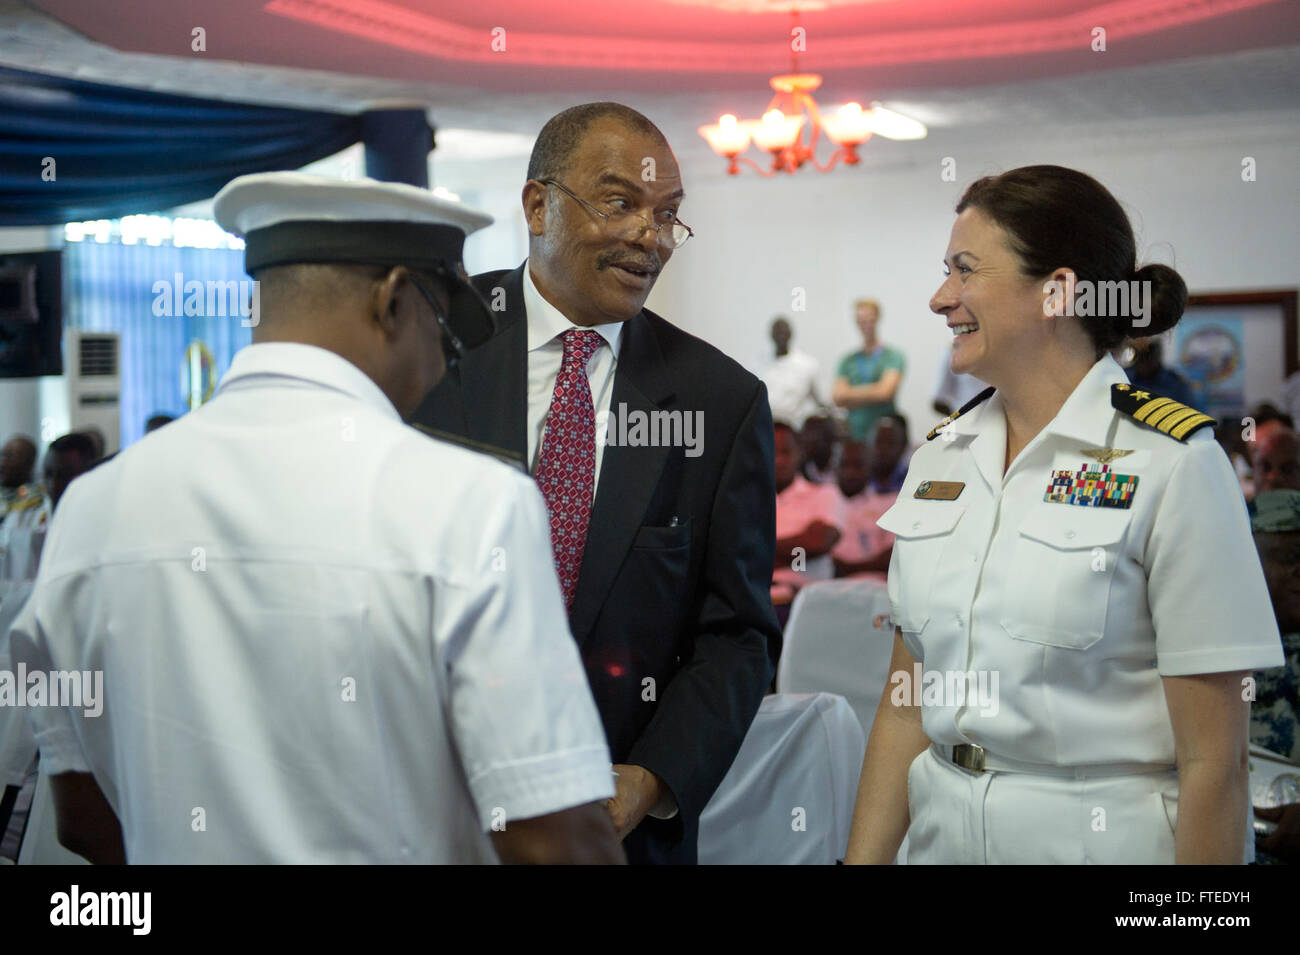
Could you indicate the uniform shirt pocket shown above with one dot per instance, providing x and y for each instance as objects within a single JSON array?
[
  {"x": 922, "y": 530},
  {"x": 1062, "y": 565}
]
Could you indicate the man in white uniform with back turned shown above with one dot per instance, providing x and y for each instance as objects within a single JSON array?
[{"x": 324, "y": 636}]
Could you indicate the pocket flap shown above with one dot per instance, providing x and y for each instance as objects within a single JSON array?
[
  {"x": 1070, "y": 527},
  {"x": 911, "y": 520}
]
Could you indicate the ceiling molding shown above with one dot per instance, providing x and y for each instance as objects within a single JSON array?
[{"x": 438, "y": 38}]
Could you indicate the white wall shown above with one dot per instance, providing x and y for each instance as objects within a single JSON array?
[
  {"x": 883, "y": 233},
  {"x": 881, "y": 229}
]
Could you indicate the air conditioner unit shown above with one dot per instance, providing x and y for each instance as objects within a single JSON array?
[{"x": 92, "y": 368}]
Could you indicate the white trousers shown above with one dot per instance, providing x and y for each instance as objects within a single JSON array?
[{"x": 963, "y": 818}]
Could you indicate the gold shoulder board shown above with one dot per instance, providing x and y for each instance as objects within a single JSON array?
[{"x": 1156, "y": 411}]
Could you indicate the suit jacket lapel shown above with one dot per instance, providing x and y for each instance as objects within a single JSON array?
[
  {"x": 628, "y": 476},
  {"x": 494, "y": 376}
]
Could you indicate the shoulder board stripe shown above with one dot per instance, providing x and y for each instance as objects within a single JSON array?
[
  {"x": 1147, "y": 411},
  {"x": 1175, "y": 418},
  {"x": 1156, "y": 411},
  {"x": 1167, "y": 416},
  {"x": 1190, "y": 425}
]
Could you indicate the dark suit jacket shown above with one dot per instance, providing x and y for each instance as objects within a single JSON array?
[{"x": 682, "y": 602}]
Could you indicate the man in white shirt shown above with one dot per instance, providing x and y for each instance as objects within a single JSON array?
[
  {"x": 322, "y": 636},
  {"x": 791, "y": 378}
]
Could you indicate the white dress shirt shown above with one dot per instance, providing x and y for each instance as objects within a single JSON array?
[
  {"x": 546, "y": 324},
  {"x": 790, "y": 380},
  {"x": 1078, "y": 610},
  {"x": 324, "y": 636}
]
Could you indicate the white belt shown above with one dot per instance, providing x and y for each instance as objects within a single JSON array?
[{"x": 977, "y": 760}]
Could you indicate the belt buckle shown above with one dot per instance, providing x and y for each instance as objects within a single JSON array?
[{"x": 969, "y": 756}]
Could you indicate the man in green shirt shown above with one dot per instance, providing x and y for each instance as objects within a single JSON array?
[{"x": 867, "y": 380}]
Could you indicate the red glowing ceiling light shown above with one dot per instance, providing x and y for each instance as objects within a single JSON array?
[{"x": 791, "y": 111}]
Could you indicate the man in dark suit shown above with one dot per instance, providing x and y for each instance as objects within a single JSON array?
[{"x": 654, "y": 453}]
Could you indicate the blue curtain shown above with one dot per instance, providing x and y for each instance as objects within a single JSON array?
[
  {"x": 109, "y": 287},
  {"x": 117, "y": 151}
]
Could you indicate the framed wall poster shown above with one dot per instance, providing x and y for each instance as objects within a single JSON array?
[{"x": 1236, "y": 349}]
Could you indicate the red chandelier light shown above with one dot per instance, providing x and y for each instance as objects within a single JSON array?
[{"x": 791, "y": 111}]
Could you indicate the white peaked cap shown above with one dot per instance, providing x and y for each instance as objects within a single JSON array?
[{"x": 264, "y": 199}]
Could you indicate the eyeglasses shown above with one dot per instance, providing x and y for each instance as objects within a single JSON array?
[
  {"x": 452, "y": 348},
  {"x": 620, "y": 224}
]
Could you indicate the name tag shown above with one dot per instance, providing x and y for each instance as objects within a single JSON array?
[{"x": 939, "y": 490}]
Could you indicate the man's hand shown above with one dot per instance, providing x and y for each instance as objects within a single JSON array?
[{"x": 636, "y": 792}]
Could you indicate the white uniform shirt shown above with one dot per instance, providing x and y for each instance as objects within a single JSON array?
[
  {"x": 790, "y": 379},
  {"x": 340, "y": 639},
  {"x": 1078, "y": 611},
  {"x": 546, "y": 324},
  {"x": 801, "y": 503}
]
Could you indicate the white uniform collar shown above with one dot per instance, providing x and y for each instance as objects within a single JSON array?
[
  {"x": 1078, "y": 418},
  {"x": 546, "y": 322},
  {"x": 311, "y": 363}
]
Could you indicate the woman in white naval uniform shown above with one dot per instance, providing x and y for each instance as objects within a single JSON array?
[{"x": 1078, "y": 605}]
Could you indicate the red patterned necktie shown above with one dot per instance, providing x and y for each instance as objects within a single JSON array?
[{"x": 567, "y": 470}]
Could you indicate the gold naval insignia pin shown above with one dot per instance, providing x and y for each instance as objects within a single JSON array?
[{"x": 1106, "y": 455}]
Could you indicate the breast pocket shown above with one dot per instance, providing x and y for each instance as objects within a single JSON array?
[
  {"x": 1061, "y": 568},
  {"x": 922, "y": 531},
  {"x": 663, "y": 538}
]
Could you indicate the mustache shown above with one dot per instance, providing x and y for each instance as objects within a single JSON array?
[{"x": 651, "y": 263}]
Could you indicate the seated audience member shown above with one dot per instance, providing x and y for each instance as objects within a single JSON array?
[
  {"x": 819, "y": 442},
  {"x": 17, "y": 467},
  {"x": 1276, "y": 460},
  {"x": 791, "y": 378},
  {"x": 69, "y": 457},
  {"x": 1148, "y": 371},
  {"x": 889, "y": 457},
  {"x": 809, "y": 518},
  {"x": 157, "y": 421},
  {"x": 1273, "y": 714},
  {"x": 23, "y": 533},
  {"x": 1274, "y": 719},
  {"x": 864, "y": 550},
  {"x": 1267, "y": 418},
  {"x": 98, "y": 444},
  {"x": 1228, "y": 433}
]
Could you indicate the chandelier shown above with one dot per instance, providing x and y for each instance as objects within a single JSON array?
[{"x": 792, "y": 124}]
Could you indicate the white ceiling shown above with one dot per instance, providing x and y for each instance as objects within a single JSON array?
[{"x": 1252, "y": 88}]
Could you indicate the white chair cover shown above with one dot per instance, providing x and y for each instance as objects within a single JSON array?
[
  {"x": 839, "y": 639},
  {"x": 788, "y": 798}
]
